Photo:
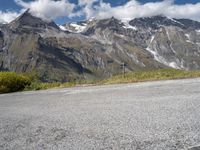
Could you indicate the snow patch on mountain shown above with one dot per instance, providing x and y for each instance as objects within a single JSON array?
[
  {"x": 159, "y": 58},
  {"x": 127, "y": 25},
  {"x": 188, "y": 36},
  {"x": 175, "y": 21},
  {"x": 162, "y": 60},
  {"x": 198, "y": 31},
  {"x": 79, "y": 28},
  {"x": 74, "y": 27},
  {"x": 188, "y": 39},
  {"x": 168, "y": 36},
  {"x": 154, "y": 53},
  {"x": 63, "y": 28}
]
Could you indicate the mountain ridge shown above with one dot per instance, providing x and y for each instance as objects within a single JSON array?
[
  {"x": 98, "y": 48},
  {"x": 163, "y": 20}
]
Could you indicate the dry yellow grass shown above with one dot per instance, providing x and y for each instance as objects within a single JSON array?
[{"x": 141, "y": 76}]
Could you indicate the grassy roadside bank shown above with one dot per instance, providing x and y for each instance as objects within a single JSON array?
[
  {"x": 13, "y": 82},
  {"x": 155, "y": 75}
]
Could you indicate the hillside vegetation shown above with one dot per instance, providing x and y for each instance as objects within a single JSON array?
[{"x": 13, "y": 82}]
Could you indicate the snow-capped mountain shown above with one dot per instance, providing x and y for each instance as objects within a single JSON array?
[
  {"x": 77, "y": 27},
  {"x": 74, "y": 27},
  {"x": 97, "y": 48}
]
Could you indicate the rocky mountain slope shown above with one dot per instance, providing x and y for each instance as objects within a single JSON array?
[{"x": 97, "y": 48}]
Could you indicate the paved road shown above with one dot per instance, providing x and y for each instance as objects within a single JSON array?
[{"x": 145, "y": 116}]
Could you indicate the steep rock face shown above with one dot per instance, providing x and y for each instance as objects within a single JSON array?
[
  {"x": 27, "y": 21},
  {"x": 1, "y": 40},
  {"x": 171, "y": 42},
  {"x": 29, "y": 52},
  {"x": 27, "y": 48},
  {"x": 155, "y": 22},
  {"x": 123, "y": 43},
  {"x": 189, "y": 24},
  {"x": 111, "y": 24},
  {"x": 176, "y": 47}
]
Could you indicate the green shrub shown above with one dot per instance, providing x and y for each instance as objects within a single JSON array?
[{"x": 12, "y": 82}]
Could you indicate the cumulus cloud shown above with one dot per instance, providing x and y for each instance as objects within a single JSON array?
[
  {"x": 8, "y": 16},
  {"x": 190, "y": 11},
  {"x": 51, "y": 9},
  {"x": 48, "y": 9},
  {"x": 86, "y": 2},
  {"x": 87, "y": 8},
  {"x": 135, "y": 9}
]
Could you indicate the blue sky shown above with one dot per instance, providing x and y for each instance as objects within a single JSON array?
[
  {"x": 111, "y": 7},
  {"x": 11, "y": 5}
]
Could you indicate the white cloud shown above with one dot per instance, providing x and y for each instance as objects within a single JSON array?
[
  {"x": 190, "y": 11},
  {"x": 51, "y": 9},
  {"x": 48, "y": 9},
  {"x": 8, "y": 16},
  {"x": 87, "y": 8},
  {"x": 134, "y": 9},
  {"x": 86, "y": 2}
]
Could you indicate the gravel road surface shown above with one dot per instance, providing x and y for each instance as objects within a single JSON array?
[{"x": 163, "y": 115}]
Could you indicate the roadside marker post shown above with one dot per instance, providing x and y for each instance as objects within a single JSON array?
[{"x": 123, "y": 66}]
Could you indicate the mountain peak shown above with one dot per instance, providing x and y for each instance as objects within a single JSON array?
[
  {"x": 110, "y": 22},
  {"x": 155, "y": 22},
  {"x": 27, "y": 20}
]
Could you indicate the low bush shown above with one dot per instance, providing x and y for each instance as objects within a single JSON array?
[{"x": 12, "y": 82}]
